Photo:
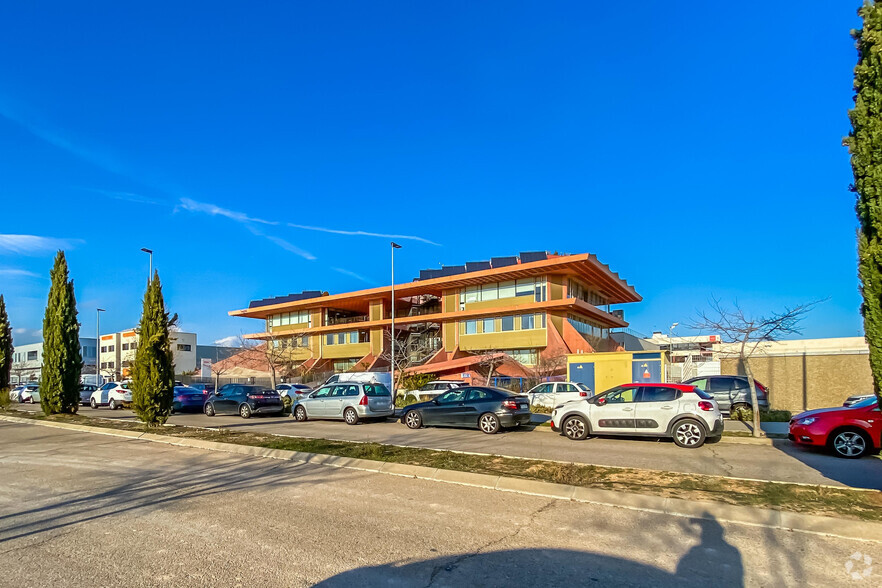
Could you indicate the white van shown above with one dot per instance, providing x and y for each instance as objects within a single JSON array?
[{"x": 384, "y": 378}]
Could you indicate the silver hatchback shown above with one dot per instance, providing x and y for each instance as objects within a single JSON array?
[{"x": 347, "y": 401}]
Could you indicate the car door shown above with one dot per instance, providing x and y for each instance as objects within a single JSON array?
[
  {"x": 565, "y": 392},
  {"x": 444, "y": 407},
  {"x": 613, "y": 411},
  {"x": 655, "y": 408},
  {"x": 721, "y": 389},
  {"x": 337, "y": 399},
  {"x": 541, "y": 395},
  {"x": 315, "y": 404},
  {"x": 225, "y": 401},
  {"x": 477, "y": 402}
]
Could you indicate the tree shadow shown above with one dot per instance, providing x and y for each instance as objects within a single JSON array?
[{"x": 712, "y": 562}]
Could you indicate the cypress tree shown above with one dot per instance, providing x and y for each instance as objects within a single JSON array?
[
  {"x": 5, "y": 348},
  {"x": 153, "y": 372},
  {"x": 62, "y": 359},
  {"x": 864, "y": 143}
]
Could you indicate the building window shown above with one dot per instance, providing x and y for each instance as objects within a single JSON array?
[
  {"x": 32, "y": 356},
  {"x": 508, "y": 323},
  {"x": 588, "y": 327},
  {"x": 527, "y": 321},
  {"x": 110, "y": 364},
  {"x": 290, "y": 318},
  {"x": 507, "y": 289},
  {"x": 471, "y": 327},
  {"x": 103, "y": 364},
  {"x": 125, "y": 347},
  {"x": 133, "y": 346},
  {"x": 184, "y": 347},
  {"x": 111, "y": 348},
  {"x": 103, "y": 349},
  {"x": 528, "y": 357},
  {"x": 489, "y": 325},
  {"x": 329, "y": 339}
]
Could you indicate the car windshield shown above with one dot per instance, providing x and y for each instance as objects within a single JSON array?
[
  {"x": 866, "y": 403},
  {"x": 186, "y": 389}
]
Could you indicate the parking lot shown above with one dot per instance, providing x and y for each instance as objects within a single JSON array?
[{"x": 781, "y": 461}]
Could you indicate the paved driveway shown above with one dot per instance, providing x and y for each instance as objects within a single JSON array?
[
  {"x": 782, "y": 462},
  {"x": 79, "y": 509}
]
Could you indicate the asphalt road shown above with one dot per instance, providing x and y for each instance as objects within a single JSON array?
[
  {"x": 79, "y": 509},
  {"x": 782, "y": 462}
]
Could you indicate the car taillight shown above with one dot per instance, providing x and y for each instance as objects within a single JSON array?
[
  {"x": 363, "y": 401},
  {"x": 583, "y": 394},
  {"x": 705, "y": 405},
  {"x": 255, "y": 395},
  {"x": 510, "y": 404}
]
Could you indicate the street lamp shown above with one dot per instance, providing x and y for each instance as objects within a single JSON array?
[
  {"x": 150, "y": 253},
  {"x": 98, "y": 344},
  {"x": 392, "y": 357}
]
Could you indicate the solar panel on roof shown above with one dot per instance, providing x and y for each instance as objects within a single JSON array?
[
  {"x": 476, "y": 266},
  {"x": 452, "y": 270},
  {"x": 305, "y": 295},
  {"x": 503, "y": 261},
  {"x": 529, "y": 256}
]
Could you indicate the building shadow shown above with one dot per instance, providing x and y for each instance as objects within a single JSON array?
[
  {"x": 711, "y": 562},
  {"x": 865, "y": 472}
]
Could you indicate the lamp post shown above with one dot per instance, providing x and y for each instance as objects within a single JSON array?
[
  {"x": 671, "y": 348},
  {"x": 98, "y": 345},
  {"x": 150, "y": 253},
  {"x": 392, "y": 356}
]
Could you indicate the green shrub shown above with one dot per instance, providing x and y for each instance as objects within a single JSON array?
[
  {"x": 286, "y": 403},
  {"x": 540, "y": 409},
  {"x": 5, "y": 401},
  {"x": 766, "y": 416},
  {"x": 401, "y": 400}
]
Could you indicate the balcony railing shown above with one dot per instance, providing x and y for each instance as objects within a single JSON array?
[{"x": 346, "y": 320}]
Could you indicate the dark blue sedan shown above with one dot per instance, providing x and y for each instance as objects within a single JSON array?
[
  {"x": 187, "y": 399},
  {"x": 488, "y": 409}
]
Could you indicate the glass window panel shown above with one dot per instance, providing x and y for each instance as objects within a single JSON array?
[
  {"x": 524, "y": 287},
  {"x": 329, "y": 339},
  {"x": 527, "y": 321},
  {"x": 489, "y": 292},
  {"x": 471, "y": 327},
  {"x": 489, "y": 325},
  {"x": 508, "y": 323},
  {"x": 472, "y": 294},
  {"x": 353, "y": 337},
  {"x": 507, "y": 289}
]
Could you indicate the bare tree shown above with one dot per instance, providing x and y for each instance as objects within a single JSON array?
[
  {"x": 747, "y": 331},
  {"x": 279, "y": 351},
  {"x": 489, "y": 361},
  {"x": 399, "y": 363},
  {"x": 550, "y": 366}
]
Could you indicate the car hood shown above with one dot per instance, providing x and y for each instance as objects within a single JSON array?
[
  {"x": 425, "y": 404},
  {"x": 821, "y": 411}
]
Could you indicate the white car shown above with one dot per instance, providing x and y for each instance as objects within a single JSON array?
[
  {"x": 551, "y": 394},
  {"x": 112, "y": 394},
  {"x": 437, "y": 387},
  {"x": 680, "y": 411},
  {"x": 25, "y": 393},
  {"x": 293, "y": 390}
]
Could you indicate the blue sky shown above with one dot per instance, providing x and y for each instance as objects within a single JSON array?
[{"x": 694, "y": 147}]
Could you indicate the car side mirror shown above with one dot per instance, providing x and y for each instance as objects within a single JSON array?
[
  {"x": 601, "y": 401},
  {"x": 313, "y": 394},
  {"x": 435, "y": 400}
]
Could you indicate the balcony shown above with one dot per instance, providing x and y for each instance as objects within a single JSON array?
[{"x": 346, "y": 320}]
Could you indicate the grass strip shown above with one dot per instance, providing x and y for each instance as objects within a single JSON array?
[{"x": 816, "y": 500}]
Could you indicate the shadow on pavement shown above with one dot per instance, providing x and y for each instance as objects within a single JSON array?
[
  {"x": 712, "y": 562},
  {"x": 865, "y": 472}
]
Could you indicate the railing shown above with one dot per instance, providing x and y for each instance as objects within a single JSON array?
[{"x": 347, "y": 320}]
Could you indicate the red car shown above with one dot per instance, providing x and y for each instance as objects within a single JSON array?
[{"x": 850, "y": 432}]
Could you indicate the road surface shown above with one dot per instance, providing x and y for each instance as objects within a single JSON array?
[{"x": 80, "y": 509}]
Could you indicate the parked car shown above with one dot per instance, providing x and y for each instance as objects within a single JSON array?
[
  {"x": 204, "y": 387},
  {"x": 293, "y": 390},
  {"x": 731, "y": 392},
  {"x": 112, "y": 394},
  {"x": 850, "y": 432},
  {"x": 384, "y": 378},
  {"x": 680, "y": 411},
  {"x": 436, "y": 387},
  {"x": 852, "y": 400},
  {"x": 86, "y": 393},
  {"x": 29, "y": 393},
  {"x": 488, "y": 409},
  {"x": 187, "y": 398},
  {"x": 551, "y": 394},
  {"x": 244, "y": 400},
  {"x": 347, "y": 401},
  {"x": 15, "y": 393}
]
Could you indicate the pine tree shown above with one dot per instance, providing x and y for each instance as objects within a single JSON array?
[
  {"x": 62, "y": 359},
  {"x": 5, "y": 348},
  {"x": 153, "y": 372},
  {"x": 864, "y": 143}
]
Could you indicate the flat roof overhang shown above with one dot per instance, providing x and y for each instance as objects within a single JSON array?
[
  {"x": 568, "y": 304},
  {"x": 584, "y": 266}
]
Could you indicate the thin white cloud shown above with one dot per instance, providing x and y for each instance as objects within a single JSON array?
[
  {"x": 352, "y": 275},
  {"x": 231, "y": 341},
  {"x": 34, "y": 244},
  {"x": 361, "y": 233},
  {"x": 15, "y": 272},
  {"x": 126, "y": 196},
  {"x": 289, "y": 247},
  {"x": 194, "y": 206}
]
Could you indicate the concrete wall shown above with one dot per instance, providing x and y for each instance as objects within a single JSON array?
[{"x": 807, "y": 381}]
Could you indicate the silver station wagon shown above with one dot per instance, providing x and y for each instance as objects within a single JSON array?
[{"x": 347, "y": 401}]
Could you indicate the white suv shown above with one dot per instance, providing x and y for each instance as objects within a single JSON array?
[
  {"x": 554, "y": 393},
  {"x": 680, "y": 411},
  {"x": 113, "y": 394}
]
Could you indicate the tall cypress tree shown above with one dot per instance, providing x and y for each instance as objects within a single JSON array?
[
  {"x": 153, "y": 373},
  {"x": 5, "y": 348},
  {"x": 62, "y": 359}
]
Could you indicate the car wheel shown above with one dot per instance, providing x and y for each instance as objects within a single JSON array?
[
  {"x": 92, "y": 403},
  {"x": 208, "y": 409},
  {"x": 350, "y": 416},
  {"x": 300, "y": 414},
  {"x": 689, "y": 433},
  {"x": 413, "y": 420},
  {"x": 739, "y": 407},
  {"x": 850, "y": 444},
  {"x": 489, "y": 423},
  {"x": 575, "y": 428},
  {"x": 245, "y": 411},
  {"x": 112, "y": 404}
]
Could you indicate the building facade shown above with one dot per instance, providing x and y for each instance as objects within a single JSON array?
[
  {"x": 118, "y": 350},
  {"x": 27, "y": 360},
  {"x": 530, "y": 309}
]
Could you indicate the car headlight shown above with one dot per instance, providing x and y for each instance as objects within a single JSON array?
[{"x": 806, "y": 421}]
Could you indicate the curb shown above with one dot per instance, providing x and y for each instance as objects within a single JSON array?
[{"x": 759, "y": 517}]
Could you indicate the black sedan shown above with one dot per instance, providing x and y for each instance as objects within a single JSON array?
[
  {"x": 186, "y": 398},
  {"x": 488, "y": 409},
  {"x": 243, "y": 400}
]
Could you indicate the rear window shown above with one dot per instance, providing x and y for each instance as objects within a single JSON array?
[
  {"x": 376, "y": 390},
  {"x": 186, "y": 390}
]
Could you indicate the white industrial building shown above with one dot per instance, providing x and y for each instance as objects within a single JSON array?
[{"x": 27, "y": 360}]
